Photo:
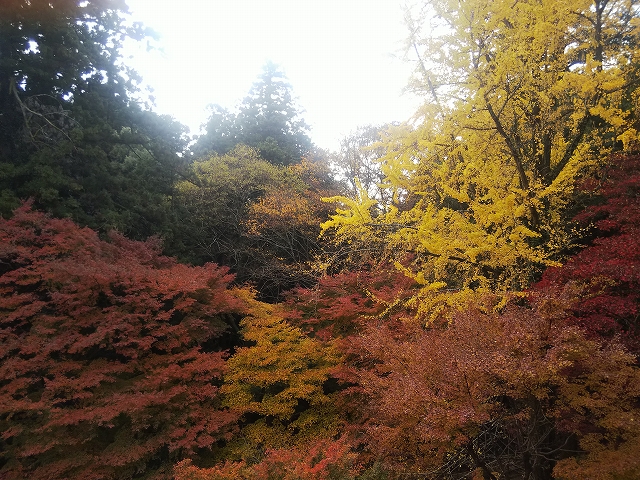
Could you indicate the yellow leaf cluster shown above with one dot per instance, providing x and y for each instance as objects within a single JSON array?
[
  {"x": 521, "y": 100},
  {"x": 280, "y": 378}
]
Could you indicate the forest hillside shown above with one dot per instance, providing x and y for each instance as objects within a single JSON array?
[{"x": 453, "y": 297}]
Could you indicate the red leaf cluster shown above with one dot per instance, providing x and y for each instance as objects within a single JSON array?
[
  {"x": 111, "y": 356},
  {"x": 344, "y": 304},
  {"x": 323, "y": 460},
  {"x": 605, "y": 276}
]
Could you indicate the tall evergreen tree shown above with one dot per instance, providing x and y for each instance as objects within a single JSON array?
[{"x": 268, "y": 119}]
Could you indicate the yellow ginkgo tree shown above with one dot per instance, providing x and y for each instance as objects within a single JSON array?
[{"x": 521, "y": 99}]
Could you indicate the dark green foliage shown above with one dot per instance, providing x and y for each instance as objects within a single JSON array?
[
  {"x": 71, "y": 137},
  {"x": 50, "y": 53}
]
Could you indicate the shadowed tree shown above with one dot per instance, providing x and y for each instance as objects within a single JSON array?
[
  {"x": 71, "y": 135},
  {"x": 268, "y": 119}
]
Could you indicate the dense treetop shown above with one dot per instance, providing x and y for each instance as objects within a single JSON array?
[
  {"x": 72, "y": 138},
  {"x": 267, "y": 119}
]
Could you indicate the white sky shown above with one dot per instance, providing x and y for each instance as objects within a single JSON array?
[{"x": 340, "y": 56}]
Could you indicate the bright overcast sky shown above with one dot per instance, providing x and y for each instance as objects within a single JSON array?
[{"x": 340, "y": 56}]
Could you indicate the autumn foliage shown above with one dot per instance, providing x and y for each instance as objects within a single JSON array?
[
  {"x": 322, "y": 460},
  {"x": 117, "y": 362},
  {"x": 111, "y": 355},
  {"x": 542, "y": 386},
  {"x": 606, "y": 274},
  {"x": 277, "y": 383},
  {"x": 342, "y": 305},
  {"x": 506, "y": 394},
  {"x": 469, "y": 311}
]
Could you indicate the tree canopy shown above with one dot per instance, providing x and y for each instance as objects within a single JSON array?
[
  {"x": 520, "y": 102},
  {"x": 268, "y": 119},
  {"x": 260, "y": 219},
  {"x": 72, "y": 136}
]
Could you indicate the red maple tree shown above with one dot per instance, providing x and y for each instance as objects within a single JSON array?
[
  {"x": 321, "y": 460},
  {"x": 605, "y": 276},
  {"x": 111, "y": 355}
]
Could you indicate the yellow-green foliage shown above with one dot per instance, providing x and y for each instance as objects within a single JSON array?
[{"x": 225, "y": 182}]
